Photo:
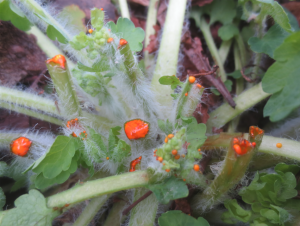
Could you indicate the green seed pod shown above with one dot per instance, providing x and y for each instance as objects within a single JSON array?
[
  {"x": 106, "y": 35},
  {"x": 93, "y": 54},
  {"x": 98, "y": 34},
  {"x": 167, "y": 148},
  {"x": 102, "y": 41},
  {"x": 166, "y": 157}
]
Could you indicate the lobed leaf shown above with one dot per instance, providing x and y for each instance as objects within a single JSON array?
[
  {"x": 31, "y": 210},
  {"x": 282, "y": 78},
  {"x": 177, "y": 218},
  {"x": 228, "y": 31},
  {"x": 125, "y": 29},
  {"x": 270, "y": 42},
  {"x": 172, "y": 188}
]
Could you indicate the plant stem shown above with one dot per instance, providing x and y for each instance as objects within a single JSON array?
[
  {"x": 91, "y": 210},
  {"x": 245, "y": 100},
  {"x": 124, "y": 9},
  {"x": 145, "y": 211},
  {"x": 115, "y": 216},
  {"x": 35, "y": 8},
  {"x": 62, "y": 81},
  {"x": 205, "y": 28},
  {"x": 27, "y": 100},
  {"x": 151, "y": 21},
  {"x": 168, "y": 52},
  {"x": 99, "y": 187},
  {"x": 48, "y": 47},
  {"x": 187, "y": 104},
  {"x": 224, "y": 50},
  {"x": 233, "y": 170},
  {"x": 32, "y": 113},
  {"x": 290, "y": 149}
]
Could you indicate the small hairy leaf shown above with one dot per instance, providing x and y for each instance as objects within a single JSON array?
[
  {"x": 271, "y": 41},
  {"x": 177, "y": 218},
  {"x": 165, "y": 126},
  {"x": 282, "y": 78},
  {"x": 172, "y": 188},
  {"x": 125, "y": 29},
  {"x": 97, "y": 18},
  {"x": 98, "y": 66},
  {"x": 170, "y": 80},
  {"x": 79, "y": 42},
  {"x": 8, "y": 12},
  {"x": 228, "y": 31},
  {"x": 195, "y": 136},
  {"x": 53, "y": 32},
  {"x": 75, "y": 17},
  {"x": 31, "y": 210},
  {"x": 57, "y": 159}
]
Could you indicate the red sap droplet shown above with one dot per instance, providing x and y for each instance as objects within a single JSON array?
[
  {"x": 242, "y": 146},
  {"x": 136, "y": 129},
  {"x": 20, "y": 146},
  {"x": 122, "y": 42},
  {"x": 58, "y": 59},
  {"x": 255, "y": 131},
  {"x": 134, "y": 162}
]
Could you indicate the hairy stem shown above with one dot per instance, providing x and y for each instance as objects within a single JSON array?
[
  {"x": 245, "y": 100},
  {"x": 34, "y": 114},
  {"x": 62, "y": 81},
  {"x": 168, "y": 52},
  {"x": 145, "y": 211},
  {"x": 48, "y": 47},
  {"x": 28, "y": 100},
  {"x": 124, "y": 9},
  {"x": 91, "y": 210},
  {"x": 99, "y": 187},
  {"x": 289, "y": 147},
  {"x": 151, "y": 21},
  {"x": 187, "y": 103},
  {"x": 233, "y": 170},
  {"x": 115, "y": 216},
  {"x": 34, "y": 8}
]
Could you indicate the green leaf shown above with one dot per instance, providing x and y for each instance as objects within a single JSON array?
[
  {"x": 236, "y": 74},
  {"x": 121, "y": 151},
  {"x": 228, "y": 85},
  {"x": 75, "y": 17},
  {"x": 79, "y": 42},
  {"x": 97, "y": 18},
  {"x": 292, "y": 19},
  {"x": 195, "y": 135},
  {"x": 228, "y": 31},
  {"x": 53, "y": 32},
  {"x": 125, "y": 29},
  {"x": 273, "y": 8},
  {"x": 282, "y": 78},
  {"x": 57, "y": 159},
  {"x": 236, "y": 212},
  {"x": 170, "y": 80},
  {"x": 165, "y": 126},
  {"x": 222, "y": 11},
  {"x": 2, "y": 199},
  {"x": 177, "y": 218},
  {"x": 282, "y": 168},
  {"x": 271, "y": 41},
  {"x": 8, "y": 12},
  {"x": 31, "y": 210},
  {"x": 3, "y": 169},
  {"x": 172, "y": 188}
]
